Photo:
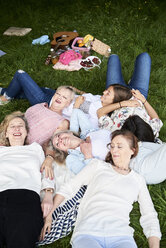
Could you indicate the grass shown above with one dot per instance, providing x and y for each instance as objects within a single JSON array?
[{"x": 129, "y": 27}]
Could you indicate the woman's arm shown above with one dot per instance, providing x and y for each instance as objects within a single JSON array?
[
  {"x": 79, "y": 119},
  {"x": 154, "y": 242},
  {"x": 49, "y": 159},
  {"x": 150, "y": 110},
  {"x": 149, "y": 220},
  {"x": 58, "y": 199},
  {"x": 111, "y": 107},
  {"x": 47, "y": 202},
  {"x": 68, "y": 190},
  {"x": 77, "y": 90}
]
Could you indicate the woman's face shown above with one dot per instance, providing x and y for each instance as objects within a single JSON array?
[
  {"x": 65, "y": 141},
  {"x": 120, "y": 150},
  {"x": 61, "y": 99},
  {"x": 108, "y": 96},
  {"x": 16, "y": 131}
]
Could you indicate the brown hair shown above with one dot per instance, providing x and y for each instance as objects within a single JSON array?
[
  {"x": 130, "y": 137},
  {"x": 121, "y": 93},
  {"x": 5, "y": 123}
]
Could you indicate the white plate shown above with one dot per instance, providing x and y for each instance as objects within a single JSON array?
[{"x": 91, "y": 59}]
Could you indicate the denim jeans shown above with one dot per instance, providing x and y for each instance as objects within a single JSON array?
[
  {"x": 141, "y": 75},
  {"x": 90, "y": 241},
  {"x": 23, "y": 86}
]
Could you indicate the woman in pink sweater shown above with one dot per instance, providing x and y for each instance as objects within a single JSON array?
[{"x": 44, "y": 120}]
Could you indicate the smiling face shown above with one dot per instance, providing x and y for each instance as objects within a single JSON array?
[
  {"x": 65, "y": 141},
  {"x": 121, "y": 151},
  {"x": 61, "y": 99},
  {"x": 108, "y": 96},
  {"x": 16, "y": 132}
]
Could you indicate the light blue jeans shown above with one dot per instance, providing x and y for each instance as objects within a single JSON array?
[
  {"x": 141, "y": 75},
  {"x": 89, "y": 241}
]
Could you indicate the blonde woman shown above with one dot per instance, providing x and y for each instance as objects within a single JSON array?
[{"x": 20, "y": 185}]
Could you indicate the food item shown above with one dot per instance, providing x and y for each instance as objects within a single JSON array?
[
  {"x": 96, "y": 61},
  {"x": 79, "y": 41},
  {"x": 81, "y": 44},
  {"x": 87, "y": 63}
]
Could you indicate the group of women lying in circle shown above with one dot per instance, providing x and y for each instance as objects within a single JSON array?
[{"x": 109, "y": 143}]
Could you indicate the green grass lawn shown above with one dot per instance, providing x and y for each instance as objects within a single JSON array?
[{"x": 129, "y": 27}]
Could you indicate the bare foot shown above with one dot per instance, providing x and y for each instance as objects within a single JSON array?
[{"x": 3, "y": 99}]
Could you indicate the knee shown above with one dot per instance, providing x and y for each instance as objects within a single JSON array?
[
  {"x": 144, "y": 56},
  {"x": 113, "y": 58}
]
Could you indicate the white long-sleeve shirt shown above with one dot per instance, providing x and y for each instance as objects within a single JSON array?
[
  {"x": 108, "y": 200},
  {"x": 20, "y": 168}
]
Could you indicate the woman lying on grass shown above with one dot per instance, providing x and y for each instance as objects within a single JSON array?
[
  {"x": 20, "y": 185},
  {"x": 103, "y": 215},
  {"x": 70, "y": 149},
  {"x": 113, "y": 115},
  {"x": 115, "y": 97}
]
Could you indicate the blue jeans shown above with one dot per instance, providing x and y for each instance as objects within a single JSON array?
[
  {"x": 90, "y": 241},
  {"x": 141, "y": 75},
  {"x": 23, "y": 86}
]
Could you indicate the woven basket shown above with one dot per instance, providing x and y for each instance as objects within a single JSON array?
[{"x": 101, "y": 48}]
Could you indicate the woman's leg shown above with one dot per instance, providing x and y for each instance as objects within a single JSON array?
[
  {"x": 114, "y": 71},
  {"x": 22, "y": 85},
  {"x": 23, "y": 218},
  {"x": 141, "y": 75},
  {"x": 87, "y": 241},
  {"x": 120, "y": 242}
]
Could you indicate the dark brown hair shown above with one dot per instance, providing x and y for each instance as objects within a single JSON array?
[
  {"x": 139, "y": 128},
  {"x": 121, "y": 93},
  {"x": 130, "y": 137}
]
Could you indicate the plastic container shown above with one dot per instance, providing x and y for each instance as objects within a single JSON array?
[{"x": 86, "y": 49}]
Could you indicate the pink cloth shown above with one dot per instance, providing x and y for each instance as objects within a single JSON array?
[
  {"x": 42, "y": 122},
  {"x": 66, "y": 57}
]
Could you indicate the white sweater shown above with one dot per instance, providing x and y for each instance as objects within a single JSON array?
[
  {"x": 20, "y": 168},
  {"x": 108, "y": 201}
]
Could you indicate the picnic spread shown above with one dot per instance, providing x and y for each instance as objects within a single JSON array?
[
  {"x": 68, "y": 50},
  {"x": 71, "y": 52}
]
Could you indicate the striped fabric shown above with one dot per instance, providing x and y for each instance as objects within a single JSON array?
[{"x": 64, "y": 218}]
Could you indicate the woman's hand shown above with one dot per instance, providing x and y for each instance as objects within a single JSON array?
[
  {"x": 79, "y": 100},
  {"x": 46, "y": 227},
  {"x": 78, "y": 91},
  {"x": 47, "y": 166},
  {"x": 130, "y": 103},
  {"x": 86, "y": 148},
  {"x": 47, "y": 203},
  {"x": 138, "y": 95}
]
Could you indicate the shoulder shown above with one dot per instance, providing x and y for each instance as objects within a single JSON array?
[
  {"x": 35, "y": 146},
  {"x": 99, "y": 164},
  {"x": 36, "y": 106},
  {"x": 138, "y": 178}
]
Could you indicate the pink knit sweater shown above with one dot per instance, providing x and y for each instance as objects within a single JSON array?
[{"x": 42, "y": 123}]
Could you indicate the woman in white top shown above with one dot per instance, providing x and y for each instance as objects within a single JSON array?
[
  {"x": 20, "y": 185},
  {"x": 103, "y": 215}
]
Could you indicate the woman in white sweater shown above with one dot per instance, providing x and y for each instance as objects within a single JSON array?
[
  {"x": 103, "y": 215},
  {"x": 20, "y": 185}
]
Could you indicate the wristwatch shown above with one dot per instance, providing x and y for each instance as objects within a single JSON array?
[{"x": 49, "y": 190}]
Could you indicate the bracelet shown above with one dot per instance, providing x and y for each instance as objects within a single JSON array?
[
  {"x": 49, "y": 190},
  {"x": 120, "y": 105},
  {"x": 144, "y": 102},
  {"x": 49, "y": 155}
]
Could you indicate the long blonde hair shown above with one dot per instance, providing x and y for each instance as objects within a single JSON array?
[{"x": 5, "y": 123}]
